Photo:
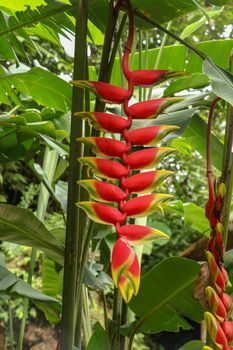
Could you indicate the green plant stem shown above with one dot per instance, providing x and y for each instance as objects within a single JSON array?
[
  {"x": 11, "y": 331},
  {"x": 171, "y": 34},
  {"x": 74, "y": 236},
  {"x": 49, "y": 167},
  {"x": 117, "y": 318},
  {"x": 227, "y": 167},
  {"x": 106, "y": 323},
  {"x": 158, "y": 59}
]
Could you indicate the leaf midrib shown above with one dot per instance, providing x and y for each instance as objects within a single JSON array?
[
  {"x": 56, "y": 250},
  {"x": 161, "y": 304}
]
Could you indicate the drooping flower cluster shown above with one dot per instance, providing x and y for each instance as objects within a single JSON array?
[
  {"x": 126, "y": 159},
  {"x": 219, "y": 327}
]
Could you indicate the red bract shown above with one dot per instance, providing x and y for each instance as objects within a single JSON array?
[
  {"x": 147, "y": 158},
  {"x": 102, "y": 213},
  {"x": 105, "y": 146},
  {"x": 106, "y": 92},
  {"x": 151, "y": 77},
  {"x": 144, "y": 205},
  {"x": 105, "y": 168},
  {"x": 146, "y": 182},
  {"x": 125, "y": 265},
  {"x": 137, "y": 234},
  {"x": 103, "y": 191},
  {"x": 105, "y": 121},
  {"x": 150, "y": 135},
  {"x": 152, "y": 108}
]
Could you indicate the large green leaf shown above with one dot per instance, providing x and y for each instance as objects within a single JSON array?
[
  {"x": 98, "y": 340},
  {"x": 221, "y": 81},
  {"x": 195, "y": 136},
  {"x": 18, "y": 225},
  {"x": 193, "y": 215},
  {"x": 15, "y": 286},
  {"x": 177, "y": 57},
  {"x": 194, "y": 81},
  {"x": 43, "y": 86},
  {"x": 193, "y": 345},
  {"x": 166, "y": 296}
]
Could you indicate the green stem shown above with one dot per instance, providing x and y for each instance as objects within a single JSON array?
[
  {"x": 227, "y": 167},
  {"x": 74, "y": 236},
  {"x": 158, "y": 59},
  {"x": 117, "y": 318},
  {"x": 171, "y": 34},
  {"x": 106, "y": 323},
  {"x": 11, "y": 331},
  {"x": 49, "y": 167}
]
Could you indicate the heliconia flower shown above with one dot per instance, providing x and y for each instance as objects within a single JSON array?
[
  {"x": 150, "y": 135},
  {"x": 146, "y": 182},
  {"x": 105, "y": 146},
  {"x": 144, "y": 205},
  {"x": 106, "y": 92},
  {"x": 147, "y": 158},
  {"x": 226, "y": 300},
  {"x": 139, "y": 235},
  {"x": 130, "y": 281},
  {"x": 218, "y": 242},
  {"x": 125, "y": 269},
  {"x": 221, "y": 191},
  {"x": 207, "y": 348},
  {"x": 217, "y": 274},
  {"x": 103, "y": 191},
  {"x": 102, "y": 213},
  {"x": 151, "y": 77},
  {"x": 227, "y": 327},
  {"x": 152, "y": 108},
  {"x": 215, "y": 331},
  {"x": 215, "y": 303},
  {"x": 105, "y": 168},
  {"x": 105, "y": 121}
]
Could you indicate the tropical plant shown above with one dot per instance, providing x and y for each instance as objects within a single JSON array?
[{"x": 128, "y": 118}]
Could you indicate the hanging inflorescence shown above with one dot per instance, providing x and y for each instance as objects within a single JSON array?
[
  {"x": 218, "y": 325},
  {"x": 124, "y": 169}
]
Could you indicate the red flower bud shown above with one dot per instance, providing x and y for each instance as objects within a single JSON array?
[
  {"x": 151, "y": 77},
  {"x": 147, "y": 158},
  {"x": 105, "y": 146},
  {"x": 103, "y": 191},
  {"x": 146, "y": 182},
  {"x": 106, "y": 92},
  {"x": 226, "y": 300},
  {"x": 138, "y": 235},
  {"x": 144, "y": 205},
  {"x": 102, "y": 213},
  {"x": 105, "y": 121},
  {"x": 227, "y": 327},
  {"x": 152, "y": 108},
  {"x": 216, "y": 305},
  {"x": 105, "y": 168},
  {"x": 215, "y": 330},
  {"x": 150, "y": 135}
]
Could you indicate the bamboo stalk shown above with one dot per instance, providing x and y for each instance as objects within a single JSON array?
[{"x": 73, "y": 235}]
